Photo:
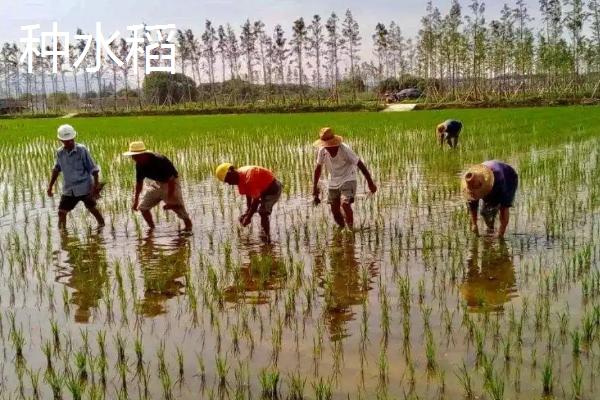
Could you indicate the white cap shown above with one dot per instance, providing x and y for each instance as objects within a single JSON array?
[{"x": 66, "y": 132}]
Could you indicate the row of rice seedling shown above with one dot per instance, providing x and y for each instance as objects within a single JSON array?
[{"x": 409, "y": 305}]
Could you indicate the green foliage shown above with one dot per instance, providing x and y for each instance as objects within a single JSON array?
[{"x": 165, "y": 88}]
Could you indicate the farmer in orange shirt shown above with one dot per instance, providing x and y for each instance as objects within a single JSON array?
[{"x": 261, "y": 188}]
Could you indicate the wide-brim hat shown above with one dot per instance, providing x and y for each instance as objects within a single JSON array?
[
  {"x": 477, "y": 182},
  {"x": 327, "y": 138},
  {"x": 66, "y": 132},
  {"x": 136, "y": 148}
]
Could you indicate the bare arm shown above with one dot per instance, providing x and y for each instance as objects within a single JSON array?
[
  {"x": 96, "y": 176},
  {"x": 504, "y": 218},
  {"x": 136, "y": 195},
  {"x": 252, "y": 207},
  {"x": 316, "y": 177},
  {"x": 363, "y": 168},
  {"x": 53, "y": 179},
  {"x": 473, "y": 209}
]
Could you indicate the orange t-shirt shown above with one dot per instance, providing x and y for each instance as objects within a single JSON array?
[{"x": 254, "y": 180}]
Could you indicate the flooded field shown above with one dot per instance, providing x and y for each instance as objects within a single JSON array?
[{"x": 409, "y": 305}]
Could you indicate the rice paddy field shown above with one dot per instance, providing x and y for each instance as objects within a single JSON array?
[{"x": 410, "y": 305}]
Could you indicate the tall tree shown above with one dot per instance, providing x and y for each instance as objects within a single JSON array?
[
  {"x": 298, "y": 42},
  {"x": 280, "y": 55},
  {"x": 123, "y": 50},
  {"x": 453, "y": 43},
  {"x": 209, "y": 38},
  {"x": 334, "y": 43},
  {"x": 248, "y": 46},
  {"x": 183, "y": 48},
  {"x": 316, "y": 40},
  {"x": 222, "y": 49},
  {"x": 194, "y": 54},
  {"x": 428, "y": 43},
  {"x": 594, "y": 8},
  {"x": 574, "y": 19},
  {"x": 233, "y": 52},
  {"x": 352, "y": 40},
  {"x": 381, "y": 46},
  {"x": 524, "y": 51},
  {"x": 261, "y": 37},
  {"x": 477, "y": 45},
  {"x": 397, "y": 48}
]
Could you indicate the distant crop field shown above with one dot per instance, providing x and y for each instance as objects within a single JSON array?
[{"x": 409, "y": 305}]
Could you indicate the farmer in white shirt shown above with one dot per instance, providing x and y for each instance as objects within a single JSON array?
[{"x": 341, "y": 162}]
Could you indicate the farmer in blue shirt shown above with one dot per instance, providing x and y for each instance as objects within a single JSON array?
[
  {"x": 448, "y": 131},
  {"x": 80, "y": 177},
  {"x": 495, "y": 183}
]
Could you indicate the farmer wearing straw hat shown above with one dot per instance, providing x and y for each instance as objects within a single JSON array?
[
  {"x": 80, "y": 177},
  {"x": 261, "y": 188},
  {"x": 341, "y": 162},
  {"x": 495, "y": 183},
  {"x": 164, "y": 187},
  {"x": 448, "y": 131}
]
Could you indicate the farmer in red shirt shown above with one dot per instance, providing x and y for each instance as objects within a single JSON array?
[{"x": 261, "y": 188}]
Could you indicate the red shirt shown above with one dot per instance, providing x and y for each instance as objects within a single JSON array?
[{"x": 254, "y": 180}]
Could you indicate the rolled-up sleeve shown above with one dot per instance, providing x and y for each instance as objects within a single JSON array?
[
  {"x": 321, "y": 156},
  {"x": 89, "y": 163},
  {"x": 352, "y": 156}
]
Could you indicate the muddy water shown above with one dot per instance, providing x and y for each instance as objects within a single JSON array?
[{"x": 323, "y": 304}]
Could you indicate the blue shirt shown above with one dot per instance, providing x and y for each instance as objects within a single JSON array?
[
  {"x": 77, "y": 167},
  {"x": 505, "y": 186}
]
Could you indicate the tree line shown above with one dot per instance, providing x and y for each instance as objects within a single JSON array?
[{"x": 459, "y": 55}]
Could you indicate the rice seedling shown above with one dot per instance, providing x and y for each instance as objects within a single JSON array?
[
  {"x": 296, "y": 386},
  {"x": 322, "y": 389},
  {"x": 340, "y": 315},
  {"x": 465, "y": 381},
  {"x": 547, "y": 378},
  {"x": 269, "y": 381}
]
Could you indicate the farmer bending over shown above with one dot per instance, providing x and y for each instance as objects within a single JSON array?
[
  {"x": 341, "y": 162},
  {"x": 448, "y": 131},
  {"x": 496, "y": 184},
  {"x": 80, "y": 177},
  {"x": 261, "y": 188},
  {"x": 165, "y": 184}
]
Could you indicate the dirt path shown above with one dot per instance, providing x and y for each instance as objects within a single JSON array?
[{"x": 399, "y": 107}]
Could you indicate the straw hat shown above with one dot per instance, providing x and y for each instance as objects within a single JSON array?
[
  {"x": 221, "y": 171},
  {"x": 136, "y": 148},
  {"x": 66, "y": 132},
  {"x": 327, "y": 138},
  {"x": 477, "y": 182}
]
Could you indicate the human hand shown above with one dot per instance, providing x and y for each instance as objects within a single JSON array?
[
  {"x": 372, "y": 187},
  {"x": 134, "y": 207},
  {"x": 245, "y": 221}
]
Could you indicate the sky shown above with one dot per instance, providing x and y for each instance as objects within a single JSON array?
[{"x": 118, "y": 14}]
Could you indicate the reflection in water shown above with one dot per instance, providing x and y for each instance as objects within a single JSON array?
[
  {"x": 345, "y": 284},
  {"x": 263, "y": 273},
  {"x": 165, "y": 265},
  {"x": 85, "y": 273},
  {"x": 490, "y": 283}
]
